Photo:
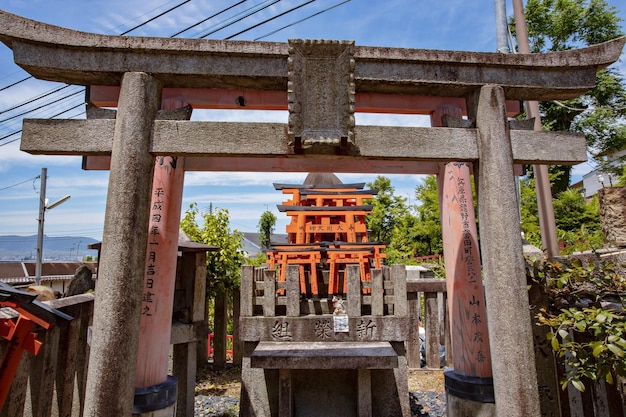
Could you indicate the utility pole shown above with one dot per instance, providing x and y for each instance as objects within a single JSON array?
[
  {"x": 547, "y": 223},
  {"x": 43, "y": 206},
  {"x": 40, "y": 220},
  {"x": 501, "y": 27}
]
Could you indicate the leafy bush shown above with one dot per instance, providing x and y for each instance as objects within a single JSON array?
[{"x": 586, "y": 317}]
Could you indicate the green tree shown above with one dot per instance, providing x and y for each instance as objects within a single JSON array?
[
  {"x": 557, "y": 25},
  {"x": 388, "y": 208},
  {"x": 402, "y": 245},
  {"x": 224, "y": 265},
  {"x": 427, "y": 232},
  {"x": 572, "y": 212},
  {"x": 266, "y": 227},
  {"x": 529, "y": 212},
  {"x": 577, "y": 220}
]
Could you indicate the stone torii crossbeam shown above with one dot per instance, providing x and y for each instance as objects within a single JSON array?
[{"x": 322, "y": 83}]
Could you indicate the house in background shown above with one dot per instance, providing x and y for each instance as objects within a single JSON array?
[
  {"x": 56, "y": 275},
  {"x": 252, "y": 243},
  {"x": 600, "y": 178}
]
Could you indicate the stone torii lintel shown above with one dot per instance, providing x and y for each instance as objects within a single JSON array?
[
  {"x": 215, "y": 145},
  {"x": 64, "y": 55}
]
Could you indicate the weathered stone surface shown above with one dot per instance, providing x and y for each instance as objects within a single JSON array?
[
  {"x": 324, "y": 355},
  {"x": 58, "y": 54},
  {"x": 613, "y": 214},
  {"x": 320, "y": 328},
  {"x": 410, "y": 147},
  {"x": 117, "y": 307},
  {"x": 321, "y": 93},
  {"x": 82, "y": 282},
  {"x": 509, "y": 325}
]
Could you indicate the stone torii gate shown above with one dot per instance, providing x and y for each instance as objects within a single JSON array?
[{"x": 322, "y": 83}]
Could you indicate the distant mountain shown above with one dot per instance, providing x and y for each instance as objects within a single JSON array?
[{"x": 62, "y": 248}]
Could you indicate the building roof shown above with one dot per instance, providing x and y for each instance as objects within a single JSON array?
[
  {"x": 24, "y": 272},
  {"x": 252, "y": 242}
]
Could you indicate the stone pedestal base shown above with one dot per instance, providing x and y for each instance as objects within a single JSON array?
[
  {"x": 156, "y": 401},
  {"x": 349, "y": 379},
  {"x": 467, "y": 396},
  {"x": 459, "y": 407}
]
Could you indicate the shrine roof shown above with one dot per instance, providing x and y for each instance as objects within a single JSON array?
[
  {"x": 342, "y": 193},
  {"x": 283, "y": 208},
  {"x": 355, "y": 186}
]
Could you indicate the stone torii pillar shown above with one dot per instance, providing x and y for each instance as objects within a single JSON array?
[
  {"x": 110, "y": 387},
  {"x": 509, "y": 323}
]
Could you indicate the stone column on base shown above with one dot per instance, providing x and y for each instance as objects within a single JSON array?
[
  {"x": 117, "y": 309},
  {"x": 510, "y": 336}
]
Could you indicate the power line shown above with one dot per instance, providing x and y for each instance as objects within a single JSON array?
[
  {"x": 241, "y": 18},
  {"x": 8, "y": 136},
  {"x": 16, "y": 83},
  {"x": 271, "y": 18},
  {"x": 19, "y": 183},
  {"x": 40, "y": 107},
  {"x": 208, "y": 18},
  {"x": 33, "y": 99},
  {"x": 256, "y": 10},
  {"x": 154, "y": 18},
  {"x": 51, "y": 117},
  {"x": 301, "y": 20},
  {"x": 60, "y": 88}
]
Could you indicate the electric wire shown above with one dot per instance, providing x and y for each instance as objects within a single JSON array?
[
  {"x": 117, "y": 28},
  {"x": 208, "y": 18},
  {"x": 49, "y": 93},
  {"x": 301, "y": 20},
  {"x": 58, "y": 89},
  {"x": 65, "y": 110},
  {"x": 240, "y": 18},
  {"x": 207, "y": 34},
  {"x": 16, "y": 83},
  {"x": 19, "y": 183},
  {"x": 271, "y": 18},
  {"x": 154, "y": 18}
]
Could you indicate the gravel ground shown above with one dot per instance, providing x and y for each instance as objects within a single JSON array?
[{"x": 423, "y": 404}]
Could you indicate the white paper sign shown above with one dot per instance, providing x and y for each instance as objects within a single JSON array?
[{"x": 340, "y": 323}]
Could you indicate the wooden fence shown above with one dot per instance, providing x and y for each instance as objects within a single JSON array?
[
  {"x": 53, "y": 382},
  {"x": 426, "y": 304}
]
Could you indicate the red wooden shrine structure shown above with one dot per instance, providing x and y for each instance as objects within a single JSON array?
[
  {"x": 19, "y": 332},
  {"x": 327, "y": 231}
]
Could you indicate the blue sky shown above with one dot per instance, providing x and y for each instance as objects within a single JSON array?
[{"x": 444, "y": 24}]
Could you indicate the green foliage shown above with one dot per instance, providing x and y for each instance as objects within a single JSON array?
[
  {"x": 529, "y": 212},
  {"x": 586, "y": 335},
  {"x": 223, "y": 266},
  {"x": 577, "y": 220},
  {"x": 388, "y": 208},
  {"x": 427, "y": 230},
  {"x": 403, "y": 241},
  {"x": 266, "y": 227},
  {"x": 257, "y": 261}
]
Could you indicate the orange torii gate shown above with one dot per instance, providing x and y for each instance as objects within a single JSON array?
[{"x": 327, "y": 228}]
